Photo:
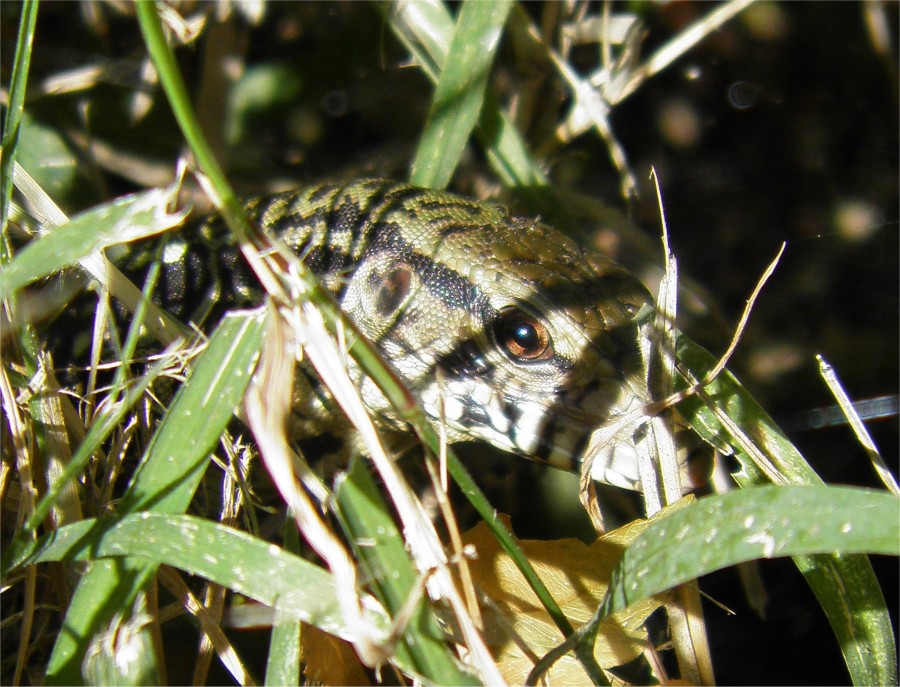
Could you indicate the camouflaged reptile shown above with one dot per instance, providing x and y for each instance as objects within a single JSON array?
[{"x": 507, "y": 330}]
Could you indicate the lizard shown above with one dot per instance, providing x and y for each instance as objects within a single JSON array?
[{"x": 505, "y": 329}]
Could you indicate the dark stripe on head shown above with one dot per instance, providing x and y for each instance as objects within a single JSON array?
[
  {"x": 446, "y": 284},
  {"x": 465, "y": 360}
]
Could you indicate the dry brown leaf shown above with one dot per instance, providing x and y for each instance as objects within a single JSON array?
[
  {"x": 577, "y": 576},
  {"x": 329, "y": 660}
]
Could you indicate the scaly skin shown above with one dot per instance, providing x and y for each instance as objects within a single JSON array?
[{"x": 506, "y": 329}]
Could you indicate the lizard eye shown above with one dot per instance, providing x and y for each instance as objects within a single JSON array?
[{"x": 523, "y": 337}]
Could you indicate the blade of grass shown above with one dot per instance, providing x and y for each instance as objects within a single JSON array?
[
  {"x": 763, "y": 522},
  {"x": 283, "y": 659},
  {"x": 124, "y": 219},
  {"x": 725, "y": 415},
  {"x": 169, "y": 473},
  {"x": 426, "y": 30},
  {"x": 366, "y": 518},
  {"x": 218, "y": 553},
  {"x": 460, "y": 92},
  {"x": 162, "y": 325},
  {"x": 218, "y": 187},
  {"x": 165, "y": 481},
  {"x": 15, "y": 107}
]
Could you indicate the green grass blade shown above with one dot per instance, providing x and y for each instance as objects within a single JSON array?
[
  {"x": 767, "y": 522},
  {"x": 426, "y": 30},
  {"x": 845, "y": 585},
  {"x": 109, "y": 588},
  {"x": 850, "y": 596},
  {"x": 15, "y": 106},
  {"x": 764, "y": 522},
  {"x": 233, "y": 559},
  {"x": 757, "y": 426},
  {"x": 170, "y": 77},
  {"x": 255, "y": 568},
  {"x": 460, "y": 92},
  {"x": 283, "y": 659},
  {"x": 366, "y": 517},
  {"x": 165, "y": 481},
  {"x": 124, "y": 219},
  {"x": 168, "y": 475}
]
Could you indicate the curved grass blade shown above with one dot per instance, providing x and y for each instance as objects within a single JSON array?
[
  {"x": 124, "y": 219},
  {"x": 460, "y": 92},
  {"x": 726, "y": 416},
  {"x": 165, "y": 481},
  {"x": 233, "y": 559},
  {"x": 763, "y": 522}
]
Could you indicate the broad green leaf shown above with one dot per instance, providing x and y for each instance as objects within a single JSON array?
[
  {"x": 233, "y": 559},
  {"x": 851, "y": 598},
  {"x": 764, "y": 522},
  {"x": 768, "y": 522},
  {"x": 236, "y": 560}
]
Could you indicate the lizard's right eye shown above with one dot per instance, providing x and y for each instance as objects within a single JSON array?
[{"x": 523, "y": 337}]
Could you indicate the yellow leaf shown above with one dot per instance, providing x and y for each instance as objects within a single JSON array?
[
  {"x": 329, "y": 660},
  {"x": 518, "y": 629}
]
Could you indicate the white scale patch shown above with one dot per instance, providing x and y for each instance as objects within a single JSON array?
[
  {"x": 451, "y": 400},
  {"x": 174, "y": 251},
  {"x": 530, "y": 426}
]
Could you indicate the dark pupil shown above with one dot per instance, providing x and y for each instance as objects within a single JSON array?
[{"x": 525, "y": 335}]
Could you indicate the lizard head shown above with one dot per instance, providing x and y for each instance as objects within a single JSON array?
[{"x": 506, "y": 329}]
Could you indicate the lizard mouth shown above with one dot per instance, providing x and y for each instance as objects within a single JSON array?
[{"x": 533, "y": 428}]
